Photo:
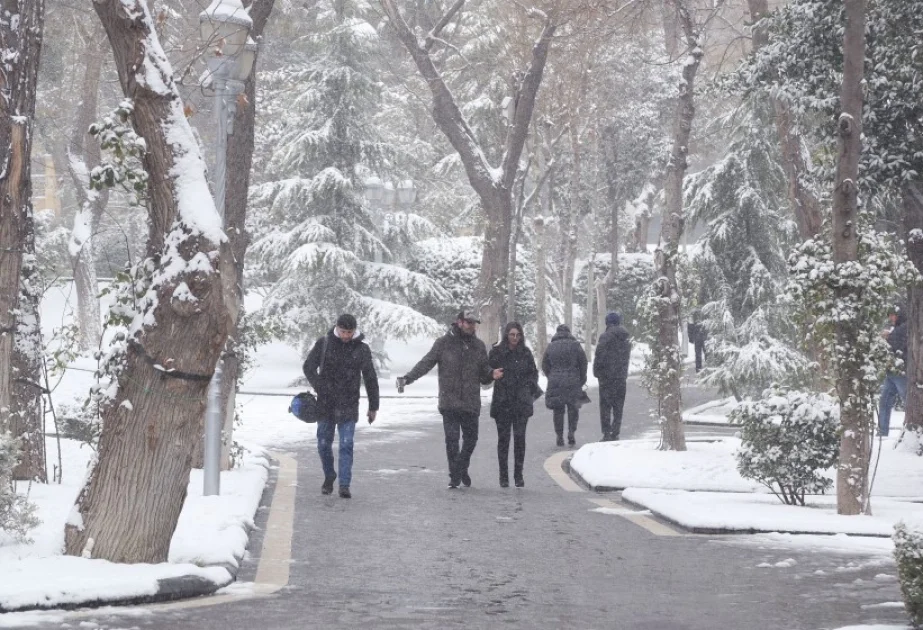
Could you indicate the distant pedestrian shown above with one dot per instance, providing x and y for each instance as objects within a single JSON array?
[
  {"x": 514, "y": 397},
  {"x": 463, "y": 367},
  {"x": 333, "y": 368},
  {"x": 895, "y": 380},
  {"x": 565, "y": 365},
  {"x": 697, "y": 336},
  {"x": 610, "y": 366}
]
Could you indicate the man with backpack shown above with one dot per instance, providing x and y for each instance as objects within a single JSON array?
[{"x": 333, "y": 368}]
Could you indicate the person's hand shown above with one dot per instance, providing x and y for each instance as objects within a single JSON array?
[
  {"x": 498, "y": 374},
  {"x": 401, "y": 383},
  {"x": 372, "y": 415},
  {"x": 885, "y": 333}
]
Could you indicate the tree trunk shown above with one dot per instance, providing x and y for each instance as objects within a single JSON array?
[
  {"x": 666, "y": 257},
  {"x": 589, "y": 317},
  {"x": 855, "y": 443},
  {"x": 541, "y": 301},
  {"x": 83, "y": 155},
  {"x": 128, "y": 509},
  {"x": 494, "y": 187},
  {"x": 21, "y": 44},
  {"x": 912, "y": 194}
]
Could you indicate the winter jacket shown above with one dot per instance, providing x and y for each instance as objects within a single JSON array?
[
  {"x": 337, "y": 384},
  {"x": 897, "y": 340},
  {"x": 514, "y": 394},
  {"x": 696, "y": 332},
  {"x": 463, "y": 366},
  {"x": 565, "y": 365},
  {"x": 612, "y": 355}
]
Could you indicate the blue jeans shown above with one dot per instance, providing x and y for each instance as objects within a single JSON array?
[
  {"x": 347, "y": 431},
  {"x": 895, "y": 385}
]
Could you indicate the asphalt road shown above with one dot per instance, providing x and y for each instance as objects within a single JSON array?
[{"x": 406, "y": 552}]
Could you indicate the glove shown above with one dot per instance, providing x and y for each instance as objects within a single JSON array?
[{"x": 401, "y": 382}]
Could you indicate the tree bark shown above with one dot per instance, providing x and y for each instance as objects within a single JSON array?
[
  {"x": 494, "y": 186},
  {"x": 82, "y": 155},
  {"x": 912, "y": 195},
  {"x": 855, "y": 443},
  {"x": 589, "y": 317},
  {"x": 667, "y": 255},
  {"x": 128, "y": 509},
  {"x": 21, "y": 44},
  {"x": 541, "y": 301}
]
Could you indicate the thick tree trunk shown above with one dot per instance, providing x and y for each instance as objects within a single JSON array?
[
  {"x": 667, "y": 254},
  {"x": 912, "y": 194},
  {"x": 21, "y": 43},
  {"x": 493, "y": 186},
  {"x": 855, "y": 443},
  {"x": 541, "y": 300},
  {"x": 589, "y": 317},
  {"x": 128, "y": 509},
  {"x": 83, "y": 155}
]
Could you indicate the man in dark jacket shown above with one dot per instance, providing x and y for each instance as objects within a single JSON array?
[
  {"x": 333, "y": 368},
  {"x": 565, "y": 366},
  {"x": 610, "y": 366},
  {"x": 463, "y": 367},
  {"x": 895, "y": 381},
  {"x": 697, "y": 336}
]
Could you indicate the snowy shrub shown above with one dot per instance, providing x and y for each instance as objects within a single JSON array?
[
  {"x": 908, "y": 553},
  {"x": 635, "y": 275},
  {"x": 17, "y": 515},
  {"x": 789, "y": 438}
]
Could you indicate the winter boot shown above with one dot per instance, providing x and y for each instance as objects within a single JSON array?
[
  {"x": 560, "y": 441},
  {"x": 517, "y": 475},
  {"x": 345, "y": 493},
  {"x": 465, "y": 479},
  {"x": 504, "y": 477},
  {"x": 571, "y": 440},
  {"x": 327, "y": 486}
]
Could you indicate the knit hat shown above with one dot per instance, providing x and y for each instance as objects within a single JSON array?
[{"x": 613, "y": 319}]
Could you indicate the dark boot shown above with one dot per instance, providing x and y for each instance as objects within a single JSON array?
[
  {"x": 517, "y": 479},
  {"x": 345, "y": 493},
  {"x": 571, "y": 440},
  {"x": 504, "y": 479},
  {"x": 560, "y": 440},
  {"x": 327, "y": 486}
]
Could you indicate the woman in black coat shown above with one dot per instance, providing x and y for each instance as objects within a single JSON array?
[
  {"x": 514, "y": 395},
  {"x": 565, "y": 366}
]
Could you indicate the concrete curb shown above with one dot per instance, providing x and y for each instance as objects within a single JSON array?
[{"x": 173, "y": 588}]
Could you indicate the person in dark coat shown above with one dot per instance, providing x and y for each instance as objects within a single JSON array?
[
  {"x": 514, "y": 396},
  {"x": 697, "y": 336},
  {"x": 610, "y": 366},
  {"x": 333, "y": 368},
  {"x": 565, "y": 365},
  {"x": 463, "y": 367},
  {"x": 895, "y": 381}
]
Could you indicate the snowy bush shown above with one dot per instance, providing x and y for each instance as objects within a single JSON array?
[
  {"x": 635, "y": 275},
  {"x": 17, "y": 515},
  {"x": 908, "y": 553},
  {"x": 789, "y": 438}
]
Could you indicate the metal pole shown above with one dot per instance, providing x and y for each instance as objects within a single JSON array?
[{"x": 214, "y": 418}]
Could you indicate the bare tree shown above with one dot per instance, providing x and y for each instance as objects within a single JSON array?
[
  {"x": 494, "y": 186},
  {"x": 855, "y": 443},
  {"x": 128, "y": 509},
  {"x": 668, "y": 366}
]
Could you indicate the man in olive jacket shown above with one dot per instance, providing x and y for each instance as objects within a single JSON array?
[
  {"x": 463, "y": 367},
  {"x": 333, "y": 368}
]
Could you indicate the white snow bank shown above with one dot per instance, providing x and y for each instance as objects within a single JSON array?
[{"x": 718, "y": 512}]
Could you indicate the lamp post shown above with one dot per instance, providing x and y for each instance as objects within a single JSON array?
[{"x": 224, "y": 28}]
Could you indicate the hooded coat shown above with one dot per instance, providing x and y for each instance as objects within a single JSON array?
[
  {"x": 565, "y": 365},
  {"x": 337, "y": 383},
  {"x": 515, "y": 393},
  {"x": 463, "y": 367},
  {"x": 612, "y": 355}
]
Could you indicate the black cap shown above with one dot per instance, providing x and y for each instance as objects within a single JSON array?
[
  {"x": 468, "y": 315},
  {"x": 346, "y": 322}
]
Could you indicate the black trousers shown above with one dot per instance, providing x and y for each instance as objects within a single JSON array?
[
  {"x": 611, "y": 403},
  {"x": 699, "y": 353},
  {"x": 515, "y": 425},
  {"x": 464, "y": 425},
  {"x": 573, "y": 414}
]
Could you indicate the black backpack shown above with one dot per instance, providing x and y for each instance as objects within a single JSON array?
[{"x": 304, "y": 405}]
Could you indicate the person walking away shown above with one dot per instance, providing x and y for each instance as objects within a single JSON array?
[
  {"x": 697, "y": 336},
  {"x": 565, "y": 365},
  {"x": 895, "y": 380},
  {"x": 610, "y": 366},
  {"x": 463, "y": 367},
  {"x": 334, "y": 366},
  {"x": 513, "y": 399}
]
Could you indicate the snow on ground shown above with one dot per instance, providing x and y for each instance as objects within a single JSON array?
[{"x": 746, "y": 512}]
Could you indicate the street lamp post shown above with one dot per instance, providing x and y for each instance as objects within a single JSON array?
[{"x": 224, "y": 28}]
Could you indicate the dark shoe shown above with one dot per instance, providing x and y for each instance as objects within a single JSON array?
[
  {"x": 519, "y": 481},
  {"x": 570, "y": 440},
  {"x": 453, "y": 485},
  {"x": 606, "y": 437},
  {"x": 560, "y": 441},
  {"x": 345, "y": 493},
  {"x": 327, "y": 487},
  {"x": 465, "y": 479}
]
